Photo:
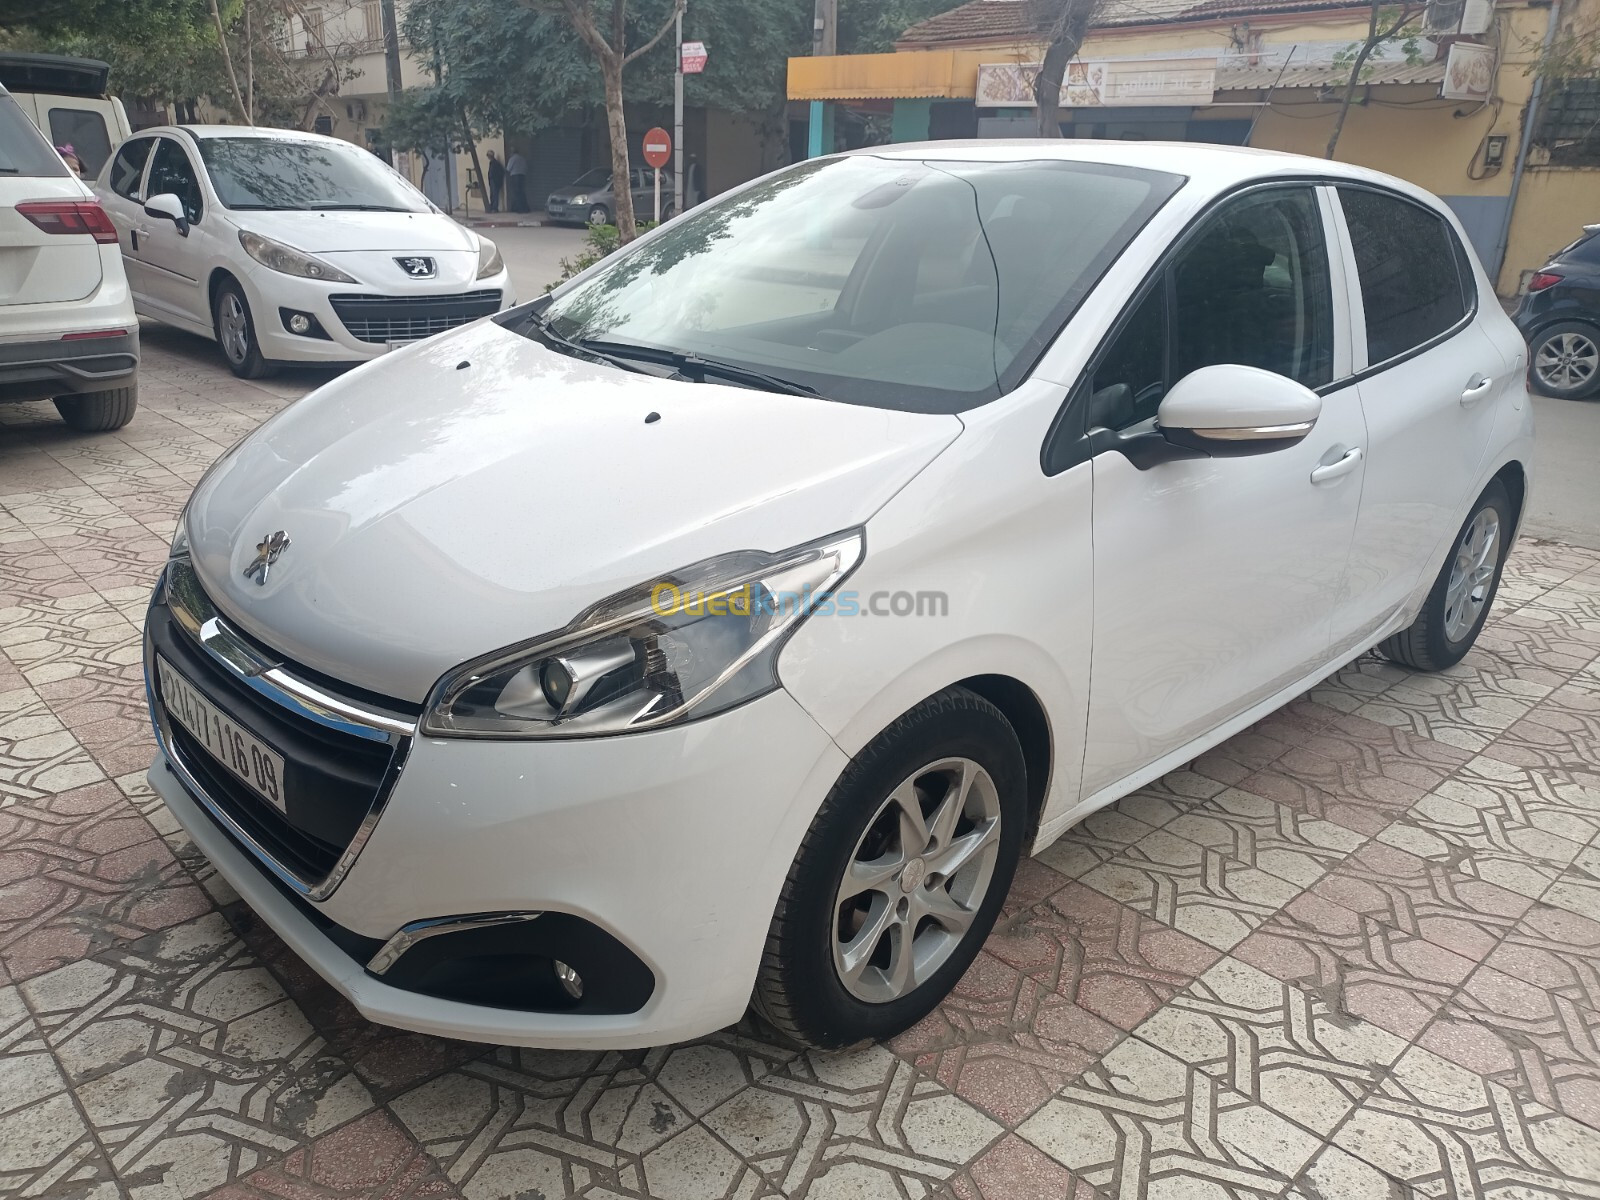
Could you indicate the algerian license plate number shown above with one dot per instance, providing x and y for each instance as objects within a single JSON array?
[{"x": 246, "y": 757}]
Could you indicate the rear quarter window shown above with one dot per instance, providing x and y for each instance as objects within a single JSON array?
[
  {"x": 23, "y": 150},
  {"x": 1415, "y": 281}
]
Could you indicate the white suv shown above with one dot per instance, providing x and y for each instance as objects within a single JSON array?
[{"x": 67, "y": 327}]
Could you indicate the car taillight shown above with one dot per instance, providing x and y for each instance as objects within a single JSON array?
[
  {"x": 70, "y": 216},
  {"x": 1543, "y": 279}
]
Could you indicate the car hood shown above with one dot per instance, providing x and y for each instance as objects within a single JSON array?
[
  {"x": 325, "y": 232},
  {"x": 438, "y": 512}
]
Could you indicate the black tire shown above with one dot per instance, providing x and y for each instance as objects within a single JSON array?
[
  {"x": 601, "y": 215},
  {"x": 799, "y": 990},
  {"x": 240, "y": 349},
  {"x": 1570, "y": 369},
  {"x": 99, "y": 412},
  {"x": 1426, "y": 644}
]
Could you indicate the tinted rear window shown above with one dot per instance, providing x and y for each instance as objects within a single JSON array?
[
  {"x": 85, "y": 131},
  {"x": 1411, "y": 270},
  {"x": 23, "y": 150},
  {"x": 1585, "y": 250}
]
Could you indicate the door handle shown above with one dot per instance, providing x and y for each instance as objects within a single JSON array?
[
  {"x": 1477, "y": 388},
  {"x": 1339, "y": 468}
]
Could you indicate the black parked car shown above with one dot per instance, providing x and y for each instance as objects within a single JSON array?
[{"x": 1560, "y": 317}]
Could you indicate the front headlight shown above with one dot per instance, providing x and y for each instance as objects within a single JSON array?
[
  {"x": 691, "y": 644},
  {"x": 278, "y": 257},
  {"x": 489, "y": 260},
  {"x": 584, "y": 199},
  {"x": 180, "y": 536}
]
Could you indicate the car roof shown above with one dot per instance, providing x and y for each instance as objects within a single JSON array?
[
  {"x": 202, "y": 132},
  {"x": 1212, "y": 167}
]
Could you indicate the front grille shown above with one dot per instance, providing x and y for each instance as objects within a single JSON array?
[
  {"x": 332, "y": 780},
  {"x": 383, "y": 319}
]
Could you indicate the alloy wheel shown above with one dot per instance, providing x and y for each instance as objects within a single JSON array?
[
  {"x": 1472, "y": 574},
  {"x": 1567, "y": 361},
  {"x": 916, "y": 880},
  {"x": 233, "y": 327}
]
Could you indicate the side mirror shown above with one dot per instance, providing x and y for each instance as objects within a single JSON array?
[
  {"x": 1229, "y": 411},
  {"x": 1221, "y": 411},
  {"x": 170, "y": 208}
]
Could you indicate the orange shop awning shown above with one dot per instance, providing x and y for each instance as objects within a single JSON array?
[{"x": 912, "y": 75}]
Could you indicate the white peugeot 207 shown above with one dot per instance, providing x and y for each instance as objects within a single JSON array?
[
  {"x": 730, "y": 622},
  {"x": 290, "y": 247}
]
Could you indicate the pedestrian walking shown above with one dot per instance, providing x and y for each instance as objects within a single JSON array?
[
  {"x": 497, "y": 181},
  {"x": 517, "y": 182}
]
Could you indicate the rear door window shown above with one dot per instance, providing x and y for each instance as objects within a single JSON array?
[
  {"x": 128, "y": 167},
  {"x": 85, "y": 131},
  {"x": 23, "y": 150},
  {"x": 1414, "y": 281}
]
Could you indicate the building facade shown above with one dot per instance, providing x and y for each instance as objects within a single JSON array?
[{"x": 1447, "y": 109}]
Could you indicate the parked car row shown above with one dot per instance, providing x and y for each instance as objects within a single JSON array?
[{"x": 281, "y": 246}]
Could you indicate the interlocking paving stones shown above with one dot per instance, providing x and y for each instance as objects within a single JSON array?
[{"x": 1352, "y": 953}]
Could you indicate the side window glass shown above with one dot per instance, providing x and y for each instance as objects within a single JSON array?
[
  {"x": 172, "y": 172},
  {"x": 1254, "y": 289},
  {"x": 1131, "y": 378},
  {"x": 1409, "y": 263},
  {"x": 129, "y": 166},
  {"x": 85, "y": 132}
]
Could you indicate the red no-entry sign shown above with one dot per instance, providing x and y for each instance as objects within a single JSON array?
[{"x": 657, "y": 148}]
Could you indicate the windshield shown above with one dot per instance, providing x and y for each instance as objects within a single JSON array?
[
  {"x": 927, "y": 286},
  {"x": 597, "y": 179},
  {"x": 284, "y": 173}
]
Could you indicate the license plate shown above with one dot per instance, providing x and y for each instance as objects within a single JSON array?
[{"x": 246, "y": 756}]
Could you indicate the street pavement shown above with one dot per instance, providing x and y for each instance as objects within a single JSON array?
[{"x": 1353, "y": 953}]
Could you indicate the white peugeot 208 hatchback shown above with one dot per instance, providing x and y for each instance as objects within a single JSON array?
[
  {"x": 731, "y": 621},
  {"x": 290, "y": 247}
]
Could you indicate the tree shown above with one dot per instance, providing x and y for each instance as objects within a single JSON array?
[
  {"x": 612, "y": 56},
  {"x": 1385, "y": 26},
  {"x": 873, "y": 26},
  {"x": 1063, "y": 24}
]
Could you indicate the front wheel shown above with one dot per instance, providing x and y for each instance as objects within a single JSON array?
[
  {"x": 1566, "y": 361},
  {"x": 900, "y": 876},
  {"x": 599, "y": 215},
  {"x": 236, "y": 333},
  {"x": 1459, "y": 603}
]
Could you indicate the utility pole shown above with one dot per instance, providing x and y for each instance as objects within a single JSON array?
[
  {"x": 677, "y": 120},
  {"x": 825, "y": 28},
  {"x": 391, "y": 48},
  {"x": 825, "y": 41}
]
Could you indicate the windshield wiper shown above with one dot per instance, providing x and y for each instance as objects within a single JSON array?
[
  {"x": 354, "y": 208},
  {"x": 541, "y": 322},
  {"x": 696, "y": 367}
]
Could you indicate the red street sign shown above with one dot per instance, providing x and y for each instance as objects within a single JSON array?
[
  {"x": 658, "y": 148},
  {"x": 694, "y": 58}
]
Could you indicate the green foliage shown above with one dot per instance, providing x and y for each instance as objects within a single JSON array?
[
  {"x": 424, "y": 119},
  {"x": 1401, "y": 31},
  {"x": 513, "y": 67},
  {"x": 158, "y": 49},
  {"x": 872, "y": 26}
]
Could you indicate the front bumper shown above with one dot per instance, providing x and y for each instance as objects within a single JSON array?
[
  {"x": 40, "y": 369},
  {"x": 673, "y": 844},
  {"x": 272, "y": 294}
]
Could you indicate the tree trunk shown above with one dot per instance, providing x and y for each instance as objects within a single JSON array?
[
  {"x": 477, "y": 167},
  {"x": 1066, "y": 33},
  {"x": 227, "y": 62},
  {"x": 621, "y": 181},
  {"x": 1047, "y": 86},
  {"x": 249, "y": 65},
  {"x": 1354, "y": 82}
]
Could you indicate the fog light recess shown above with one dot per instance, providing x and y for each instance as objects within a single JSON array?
[{"x": 571, "y": 982}]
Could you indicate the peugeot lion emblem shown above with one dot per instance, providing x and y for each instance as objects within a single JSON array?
[
  {"x": 417, "y": 266},
  {"x": 268, "y": 551}
]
